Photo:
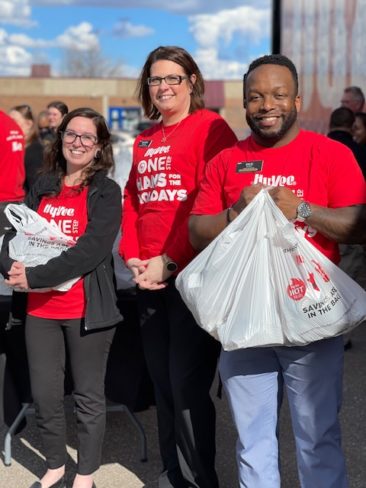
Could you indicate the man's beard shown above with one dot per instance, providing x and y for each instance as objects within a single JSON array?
[{"x": 288, "y": 122}]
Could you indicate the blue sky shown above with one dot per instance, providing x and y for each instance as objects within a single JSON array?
[{"x": 223, "y": 36}]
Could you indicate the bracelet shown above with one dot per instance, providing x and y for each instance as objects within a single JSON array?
[{"x": 228, "y": 219}]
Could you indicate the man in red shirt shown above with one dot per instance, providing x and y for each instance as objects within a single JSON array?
[{"x": 317, "y": 182}]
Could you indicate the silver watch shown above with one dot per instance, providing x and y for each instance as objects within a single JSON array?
[{"x": 303, "y": 211}]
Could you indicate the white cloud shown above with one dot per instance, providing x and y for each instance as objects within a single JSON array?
[
  {"x": 215, "y": 35},
  {"x": 80, "y": 37},
  {"x": 14, "y": 61},
  {"x": 26, "y": 41},
  {"x": 125, "y": 29},
  {"x": 247, "y": 21},
  {"x": 15, "y": 12}
]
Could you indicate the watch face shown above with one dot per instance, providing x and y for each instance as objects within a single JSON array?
[
  {"x": 303, "y": 211},
  {"x": 171, "y": 266}
]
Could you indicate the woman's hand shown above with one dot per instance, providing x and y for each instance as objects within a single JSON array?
[
  {"x": 155, "y": 275},
  {"x": 17, "y": 277},
  {"x": 136, "y": 266}
]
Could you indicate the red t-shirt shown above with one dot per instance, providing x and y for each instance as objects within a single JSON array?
[
  {"x": 12, "y": 171},
  {"x": 163, "y": 184},
  {"x": 314, "y": 167},
  {"x": 68, "y": 211}
]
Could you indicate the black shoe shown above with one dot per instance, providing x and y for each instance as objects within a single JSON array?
[{"x": 61, "y": 483}]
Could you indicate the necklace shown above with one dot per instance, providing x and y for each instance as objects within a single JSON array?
[{"x": 165, "y": 137}]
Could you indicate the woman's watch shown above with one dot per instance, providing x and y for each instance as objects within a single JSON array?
[{"x": 169, "y": 264}]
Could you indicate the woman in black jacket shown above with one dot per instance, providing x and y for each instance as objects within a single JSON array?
[{"x": 76, "y": 195}]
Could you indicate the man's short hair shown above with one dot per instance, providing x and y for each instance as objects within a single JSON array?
[
  {"x": 279, "y": 60},
  {"x": 341, "y": 117},
  {"x": 356, "y": 92}
]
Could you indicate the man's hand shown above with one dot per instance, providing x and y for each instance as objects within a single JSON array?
[
  {"x": 286, "y": 201},
  {"x": 246, "y": 196}
]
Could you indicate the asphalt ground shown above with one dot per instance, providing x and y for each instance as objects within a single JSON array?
[{"x": 122, "y": 466}]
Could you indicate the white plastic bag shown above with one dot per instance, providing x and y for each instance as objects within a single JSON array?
[
  {"x": 36, "y": 240},
  {"x": 262, "y": 283}
]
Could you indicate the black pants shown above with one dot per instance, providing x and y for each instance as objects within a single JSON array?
[
  {"x": 47, "y": 341},
  {"x": 181, "y": 359}
]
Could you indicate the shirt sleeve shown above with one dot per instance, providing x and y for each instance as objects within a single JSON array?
[
  {"x": 129, "y": 243},
  {"x": 218, "y": 137},
  {"x": 346, "y": 181},
  {"x": 210, "y": 199}
]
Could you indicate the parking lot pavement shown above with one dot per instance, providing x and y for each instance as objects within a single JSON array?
[{"x": 122, "y": 466}]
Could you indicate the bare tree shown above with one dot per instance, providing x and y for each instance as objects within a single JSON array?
[{"x": 90, "y": 63}]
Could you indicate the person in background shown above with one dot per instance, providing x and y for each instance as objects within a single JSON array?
[
  {"x": 359, "y": 128},
  {"x": 322, "y": 188},
  {"x": 12, "y": 176},
  {"x": 76, "y": 195},
  {"x": 56, "y": 111},
  {"x": 168, "y": 163},
  {"x": 341, "y": 126},
  {"x": 353, "y": 98},
  {"x": 353, "y": 257},
  {"x": 23, "y": 116},
  {"x": 44, "y": 131}
]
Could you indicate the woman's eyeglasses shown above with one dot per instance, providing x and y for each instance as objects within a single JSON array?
[
  {"x": 87, "y": 140},
  {"x": 169, "y": 80}
]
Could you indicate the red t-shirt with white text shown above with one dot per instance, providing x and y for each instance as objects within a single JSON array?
[
  {"x": 163, "y": 184},
  {"x": 316, "y": 168},
  {"x": 12, "y": 170},
  {"x": 67, "y": 211}
]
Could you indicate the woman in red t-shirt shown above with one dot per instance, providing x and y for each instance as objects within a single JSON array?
[
  {"x": 76, "y": 195},
  {"x": 168, "y": 163}
]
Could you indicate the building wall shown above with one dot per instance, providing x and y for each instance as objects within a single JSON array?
[{"x": 102, "y": 93}]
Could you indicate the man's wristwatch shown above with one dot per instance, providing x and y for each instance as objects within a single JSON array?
[
  {"x": 169, "y": 264},
  {"x": 303, "y": 211}
]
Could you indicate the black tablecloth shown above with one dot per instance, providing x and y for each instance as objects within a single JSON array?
[{"x": 127, "y": 380}]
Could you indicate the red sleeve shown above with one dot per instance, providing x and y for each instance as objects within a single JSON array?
[
  {"x": 210, "y": 199},
  {"x": 218, "y": 136},
  {"x": 346, "y": 181},
  {"x": 129, "y": 245}
]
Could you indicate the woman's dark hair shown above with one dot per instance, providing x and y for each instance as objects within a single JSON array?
[
  {"x": 54, "y": 160},
  {"x": 184, "y": 59},
  {"x": 61, "y": 106},
  {"x": 26, "y": 111}
]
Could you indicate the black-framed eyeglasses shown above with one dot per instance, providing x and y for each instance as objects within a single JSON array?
[
  {"x": 169, "y": 80},
  {"x": 87, "y": 140}
]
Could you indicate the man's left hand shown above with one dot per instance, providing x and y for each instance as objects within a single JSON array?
[{"x": 286, "y": 201}]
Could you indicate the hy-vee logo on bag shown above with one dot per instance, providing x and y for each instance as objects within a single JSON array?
[{"x": 274, "y": 180}]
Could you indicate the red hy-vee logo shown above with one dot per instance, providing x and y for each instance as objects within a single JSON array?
[{"x": 274, "y": 180}]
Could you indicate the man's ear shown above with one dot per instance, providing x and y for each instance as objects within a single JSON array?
[{"x": 245, "y": 103}]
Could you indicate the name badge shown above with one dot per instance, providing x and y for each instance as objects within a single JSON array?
[
  {"x": 144, "y": 143},
  {"x": 249, "y": 166}
]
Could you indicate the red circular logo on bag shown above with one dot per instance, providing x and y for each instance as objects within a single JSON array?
[{"x": 296, "y": 289}]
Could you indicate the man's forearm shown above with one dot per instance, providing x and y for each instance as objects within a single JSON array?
[
  {"x": 204, "y": 228},
  {"x": 345, "y": 225}
]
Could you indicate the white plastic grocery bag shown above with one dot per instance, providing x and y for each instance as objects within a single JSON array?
[
  {"x": 262, "y": 283},
  {"x": 36, "y": 240}
]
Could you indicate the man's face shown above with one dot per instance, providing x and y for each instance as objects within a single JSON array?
[
  {"x": 349, "y": 101},
  {"x": 271, "y": 104}
]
